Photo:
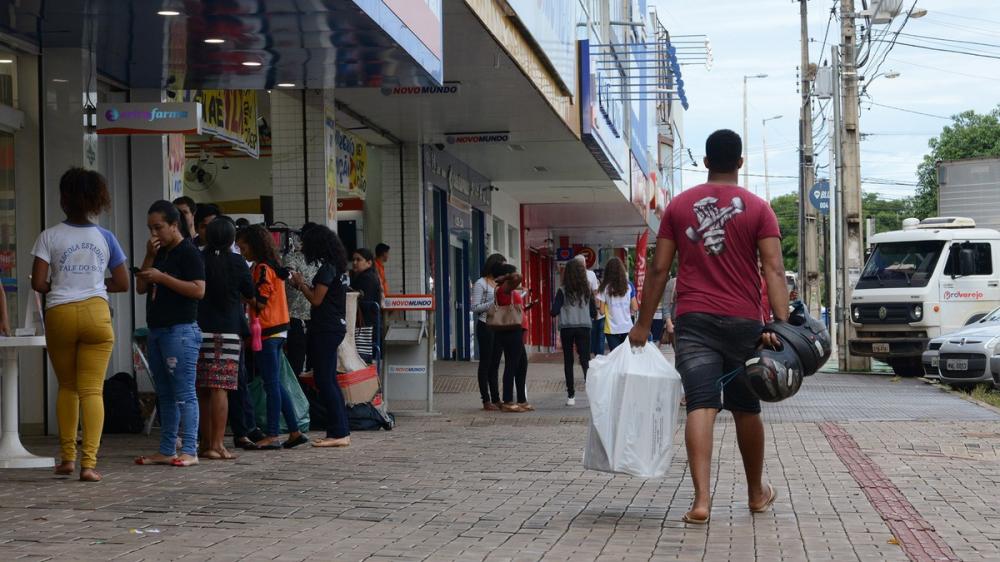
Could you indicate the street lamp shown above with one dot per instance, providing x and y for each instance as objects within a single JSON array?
[
  {"x": 888, "y": 74},
  {"x": 763, "y": 132},
  {"x": 746, "y": 133},
  {"x": 917, "y": 13}
]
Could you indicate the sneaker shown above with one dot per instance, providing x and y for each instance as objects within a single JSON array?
[{"x": 571, "y": 401}]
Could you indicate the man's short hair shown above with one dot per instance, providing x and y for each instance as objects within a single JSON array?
[
  {"x": 381, "y": 249},
  {"x": 581, "y": 258},
  {"x": 204, "y": 211},
  {"x": 723, "y": 151}
]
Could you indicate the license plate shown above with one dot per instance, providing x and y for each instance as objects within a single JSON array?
[
  {"x": 935, "y": 361},
  {"x": 957, "y": 364},
  {"x": 880, "y": 348}
]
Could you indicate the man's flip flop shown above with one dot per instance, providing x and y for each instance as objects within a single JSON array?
[
  {"x": 694, "y": 520},
  {"x": 770, "y": 501}
]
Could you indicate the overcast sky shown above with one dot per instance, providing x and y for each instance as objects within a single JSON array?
[{"x": 762, "y": 36}]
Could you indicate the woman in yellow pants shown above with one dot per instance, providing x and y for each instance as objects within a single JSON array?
[{"x": 71, "y": 260}]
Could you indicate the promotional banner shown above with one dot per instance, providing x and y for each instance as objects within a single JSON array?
[
  {"x": 331, "y": 137},
  {"x": 641, "y": 247},
  {"x": 230, "y": 115},
  {"x": 352, "y": 165}
]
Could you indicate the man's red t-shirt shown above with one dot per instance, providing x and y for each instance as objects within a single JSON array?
[{"x": 716, "y": 228}]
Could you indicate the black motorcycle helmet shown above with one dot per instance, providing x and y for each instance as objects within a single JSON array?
[{"x": 776, "y": 374}]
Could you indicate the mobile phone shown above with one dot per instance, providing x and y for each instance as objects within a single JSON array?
[{"x": 134, "y": 270}]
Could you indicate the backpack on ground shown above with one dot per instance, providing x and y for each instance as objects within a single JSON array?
[
  {"x": 122, "y": 413},
  {"x": 368, "y": 417}
]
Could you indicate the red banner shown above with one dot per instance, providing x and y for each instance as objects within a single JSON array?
[{"x": 640, "y": 263}]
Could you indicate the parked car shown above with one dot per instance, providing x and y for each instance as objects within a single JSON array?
[
  {"x": 965, "y": 357},
  {"x": 931, "y": 355}
]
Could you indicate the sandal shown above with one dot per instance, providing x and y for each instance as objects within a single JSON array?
[
  {"x": 508, "y": 407},
  {"x": 293, "y": 443},
  {"x": 149, "y": 461},
  {"x": 65, "y": 469},
  {"x": 226, "y": 455},
  {"x": 767, "y": 505},
  {"x": 244, "y": 443},
  {"x": 210, "y": 455},
  {"x": 695, "y": 520},
  {"x": 179, "y": 462},
  {"x": 332, "y": 442},
  {"x": 525, "y": 407}
]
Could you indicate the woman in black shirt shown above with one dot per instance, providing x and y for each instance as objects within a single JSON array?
[
  {"x": 173, "y": 279},
  {"x": 364, "y": 279},
  {"x": 220, "y": 317},
  {"x": 328, "y": 296}
]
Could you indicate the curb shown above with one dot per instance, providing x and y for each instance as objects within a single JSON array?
[{"x": 962, "y": 395}]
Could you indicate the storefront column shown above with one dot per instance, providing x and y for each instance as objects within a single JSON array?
[
  {"x": 403, "y": 225},
  {"x": 301, "y": 121}
]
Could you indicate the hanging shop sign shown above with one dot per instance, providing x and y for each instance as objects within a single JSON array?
[
  {"x": 146, "y": 118},
  {"x": 408, "y": 302},
  {"x": 641, "y": 248},
  {"x": 352, "y": 165},
  {"x": 589, "y": 256},
  {"x": 466, "y": 188},
  {"x": 602, "y": 115},
  {"x": 490, "y": 137},
  {"x": 446, "y": 89},
  {"x": 230, "y": 115},
  {"x": 564, "y": 254},
  {"x": 331, "y": 164}
]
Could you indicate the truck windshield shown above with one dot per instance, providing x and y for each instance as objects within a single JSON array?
[{"x": 901, "y": 264}]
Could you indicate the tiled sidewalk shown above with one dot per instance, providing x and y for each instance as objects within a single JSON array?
[{"x": 474, "y": 485}]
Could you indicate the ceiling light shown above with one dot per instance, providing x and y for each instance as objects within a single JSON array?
[
  {"x": 251, "y": 63},
  {"x": 60, "y": 80},
  {"x": 214, "y": 41},
  {"x": 168, "y": 13},
  {"x": 6, "y": 61},
  {"x": 286, "y": 85}
]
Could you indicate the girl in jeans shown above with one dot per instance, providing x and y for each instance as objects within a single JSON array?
[
  {"x": 574, "y": 305},
  {"x": 327, "y": 326},
  {"x": 78, "y": 331},
  {"x": 270, "y": 306},
  {"x": 515, "y": 370},
  {"x": 173, "y": 279},
  {"x": 616, "y": 297},
  {"x": 483, "y": 294}
]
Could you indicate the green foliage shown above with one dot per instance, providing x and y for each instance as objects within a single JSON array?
[
  {"x": 970, "y": 135},
  {"x": 888, "y": 214},
  {"x": 786, "y": 207}
]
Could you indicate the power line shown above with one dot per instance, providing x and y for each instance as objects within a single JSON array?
[
  {"x": 946, "y": 40},
  {"x": 945, "y": 70},
  {"x": 909, "y": 110},
  {"x": 951, "y": 15},
  {"x": 891, "y": 45},
  {"x": 939, "y": 49}
]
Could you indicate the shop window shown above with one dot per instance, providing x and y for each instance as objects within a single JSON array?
[
  {"x": 8, "y": 234},
  {"x": 513, "y": 245},
  {"x": 499, "y": 238}
]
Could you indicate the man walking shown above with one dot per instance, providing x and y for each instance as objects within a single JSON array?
[{"x": 718, "y": 229}]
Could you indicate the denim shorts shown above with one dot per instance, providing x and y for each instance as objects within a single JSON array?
[{"x": 711, "y": 350}]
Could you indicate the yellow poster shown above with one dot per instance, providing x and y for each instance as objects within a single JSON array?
[
  {"x": 230, "y": 115},
  {"x": 352, "y": 165}
]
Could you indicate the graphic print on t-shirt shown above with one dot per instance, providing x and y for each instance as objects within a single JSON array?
[{"x": 712, "y": 219}]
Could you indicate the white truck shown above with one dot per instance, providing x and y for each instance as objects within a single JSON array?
[
  {"x": 970, "y": 188},
  {"x": 929, "y": 279}
]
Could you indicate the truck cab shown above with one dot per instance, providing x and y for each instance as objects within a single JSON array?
[{"x": 929, "y": 279}]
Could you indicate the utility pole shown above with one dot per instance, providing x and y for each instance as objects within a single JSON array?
[
  {"x": 809, "y": 279},
  {"x": 852, "y": 252},
  {"x": 837, "y": 313}
]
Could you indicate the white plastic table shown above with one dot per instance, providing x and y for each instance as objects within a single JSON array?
[{"x": 12, "y": 452}]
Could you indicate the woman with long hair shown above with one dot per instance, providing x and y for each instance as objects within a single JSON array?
[
  {"x": 270, "y": 307},
  {"x": 173, "y": 279},
  {"x": 78, "y": 330},
  {"x": 365, "y": 280},
  {"x": 327, "y": 326},
  {"x": 511, "y": 341},
  {"x": 574, "y": 305},
  {"x": 483, "y": 296},
  {"x": 616, "y": 297},
  {"x": 220, "y": 317}
]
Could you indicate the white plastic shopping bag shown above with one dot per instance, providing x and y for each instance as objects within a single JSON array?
[{"x": 634, "y": 396}]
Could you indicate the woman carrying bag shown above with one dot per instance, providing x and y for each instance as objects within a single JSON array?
[{"x": 483, "y": 295}]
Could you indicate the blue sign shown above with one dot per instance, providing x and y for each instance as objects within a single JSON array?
[{"x": 819, "y": 196}]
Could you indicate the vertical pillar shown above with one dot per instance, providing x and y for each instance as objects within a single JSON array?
[
  {"x": 403, "y": 224},
  {"x": 300, "y": 152},
  {"x": 809, "y": 285}
]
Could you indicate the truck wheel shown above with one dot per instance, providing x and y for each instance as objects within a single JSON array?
[{"x": 906, "y": 366}]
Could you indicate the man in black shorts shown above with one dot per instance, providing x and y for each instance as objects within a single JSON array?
[{"x": 718, "y": 229}]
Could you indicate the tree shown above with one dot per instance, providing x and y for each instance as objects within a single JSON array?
[
  {"x": 888, "y": 213},
  {"x": 786, "y": 207},
  {"x": 969, "y": 136}
]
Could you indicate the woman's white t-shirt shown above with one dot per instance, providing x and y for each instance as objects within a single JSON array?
[
  {"x": 619, "y": 315},
  {"x": 78, "y": 257}
]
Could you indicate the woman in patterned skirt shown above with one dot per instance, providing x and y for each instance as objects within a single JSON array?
[{"x": 220, "y": 316}]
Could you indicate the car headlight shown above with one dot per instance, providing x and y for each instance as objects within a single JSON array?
[
  {"x": 856, "y": 313},
  {"x": 994, "y": 345},
  {"x": 917, "y": 312}
]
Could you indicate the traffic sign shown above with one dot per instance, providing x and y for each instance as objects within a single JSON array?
[{"x": 819, "y": 196}]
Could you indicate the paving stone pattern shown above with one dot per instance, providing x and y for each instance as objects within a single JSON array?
[{"x": 475, "y": 485}]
